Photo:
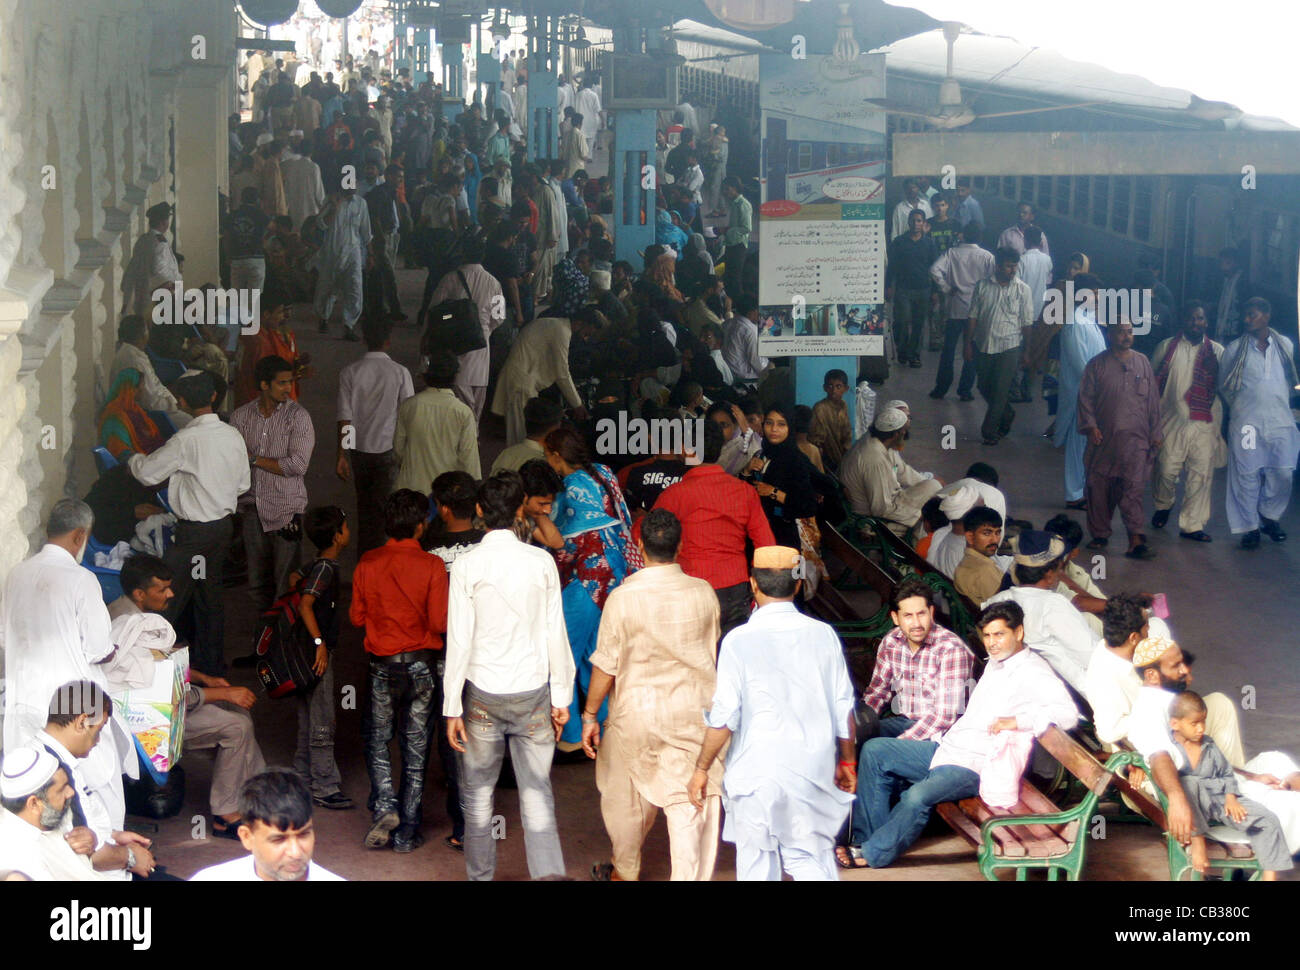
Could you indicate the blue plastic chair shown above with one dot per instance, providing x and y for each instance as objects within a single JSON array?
[
  {"x": 110, "y": 580},
  {"x": 166, "y": 368},
  {"x": 104, "y": 459},
  {"x": 165, "y": 424}
]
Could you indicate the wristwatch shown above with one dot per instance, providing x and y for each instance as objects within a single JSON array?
[
  {"x": 130, "y": 858},
  {"x": 317, "y": 641}
]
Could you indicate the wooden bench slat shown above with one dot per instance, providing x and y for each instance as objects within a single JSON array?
[
  {"x": 1076, "y": 759},
  {"x": 1036, "y": 841},
  {"x": 951, "y": 813}
]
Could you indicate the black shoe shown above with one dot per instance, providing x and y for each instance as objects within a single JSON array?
[
  {"x": 966, "y": 397},
  {"x": 1271, "y": 529},
  {"x": 1140, "y": 551},
  {"x": 398, "y": 316},
  {"x": 324, "y": 327},
  {"x": 1250, "y": 540},
  {"x": 914, "y": 362},
  {"x": 1160, "y": 518},
  {"x": 350, "y": 336},
  {"x": 381, "y": 832},
  {"x": 1098, "y": 544},
  {"x": 935, "y": 395},
  {"x": 337, "y": 800},
  {"x": 1200, "y": 535},
  {"x": 991, "y": 441},
  {"x": 1081, "y": 505},
  {"x": 408, "y": 845}
]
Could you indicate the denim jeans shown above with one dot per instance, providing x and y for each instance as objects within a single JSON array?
[
  {"x": 525, "y": 721},
  {"x": 953, "y": 340},
  {"x": 313, "y": 759},
  {"x": 401, "y": 701},
  {"x": 890, "y": 766},
  {"x": 447, "y": 755}
]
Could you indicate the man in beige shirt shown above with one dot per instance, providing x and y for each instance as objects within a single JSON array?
[
  {"x": 979, "y": 575},
  {"x": 435, "y": 431},
  {"x": 878, "y": 482},
  {"x": 658, "y": 642}
]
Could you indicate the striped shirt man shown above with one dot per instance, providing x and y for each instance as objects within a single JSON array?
[{"x": 286, "y": 435}]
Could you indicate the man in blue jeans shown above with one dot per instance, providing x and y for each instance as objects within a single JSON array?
[
  {"x": 1018, "y": 692},
  {"x": 509, "y": 677}
]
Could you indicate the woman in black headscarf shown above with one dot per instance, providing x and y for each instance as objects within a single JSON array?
[{"x": 783, "y": 476}]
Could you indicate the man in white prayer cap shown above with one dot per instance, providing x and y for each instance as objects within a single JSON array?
[
  {"x": 785, "y": 702},
  {"x": 948, "y": 547},
  {"x": 36, "y": 797},
  {"x": 878, "y": 482}
]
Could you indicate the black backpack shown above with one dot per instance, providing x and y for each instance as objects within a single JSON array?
[
  {"x": 454, "y": 325},
  {"x": 284, "y": 649}
]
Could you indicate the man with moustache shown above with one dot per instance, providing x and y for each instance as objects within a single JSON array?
[
  {"x": 1119, "y": 414},
  {"x": 1187, "y": 373}
]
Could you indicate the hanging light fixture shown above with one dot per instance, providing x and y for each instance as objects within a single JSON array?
[
  {"x": 500, "y": 29},
  {"x": 846, "y": 45}
]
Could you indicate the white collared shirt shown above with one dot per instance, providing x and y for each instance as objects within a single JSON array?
[
  {"x": 207, "y": 463},
  {"x": 370, "y": 389},
  {"x": 740, "y": 348},
  {"x": 20, "y": 848},
  {"x": 244, "y": 869},
  {"x": 1023, "y": 687},
  {"x": 1055, "y": 630},
  {"x": 505, "y": 623}
]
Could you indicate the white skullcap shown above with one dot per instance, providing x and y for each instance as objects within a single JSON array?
[
  {"x": 296, "y": 133},
  {"x": 890, "y": 419},
  {"x": 26, "y": 771},
  {"x": 1157, "y": 627},
  {"x": 958, "y": 502},
  {"x": 901, "y": 405},
  {"x": 264, "y": 139}
]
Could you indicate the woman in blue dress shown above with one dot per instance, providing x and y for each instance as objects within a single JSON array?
[{"x": 598, "y": 554}]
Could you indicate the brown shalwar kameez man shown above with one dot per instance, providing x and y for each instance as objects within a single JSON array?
[
  {"x": 658, "y": 641},
  {"x": 1119, "y": 414}
]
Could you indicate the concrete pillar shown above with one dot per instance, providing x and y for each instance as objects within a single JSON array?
[
  {"x": 543, "y": 87},
  {"x": 632, "y": 168},
  {"x": 200, "y": 158}
]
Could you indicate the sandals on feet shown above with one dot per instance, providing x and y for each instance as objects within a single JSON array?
[{"x": 850, "y": 857}]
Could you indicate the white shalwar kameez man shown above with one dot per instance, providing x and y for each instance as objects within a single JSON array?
[
  {"x": 55, "y": 630},
  {"x": 342, "y": 258},
  {"x": 1263, "y": 442},
  {"x": 784, "y": 693}
]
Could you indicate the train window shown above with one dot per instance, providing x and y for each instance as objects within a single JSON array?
[
  {"x": 832, "y": 154},
  {"x": 1121, "y": 205},
  {"x": 1100, "y": 200},
  {"x": 1143, "y": 201},
  {"x": 979, "y": 181},
  {"x": 1277, "y": 254},
  {"x": 1082, "y": 197},
  {"x": 1009, "y": 188},
  {"x": 1043, "y": 195},
  {"x": 1061, "y": 202},
  {"x": 804, "y": 162}
]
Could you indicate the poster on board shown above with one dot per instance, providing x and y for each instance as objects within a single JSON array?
[{"x": 822, "y": 218}]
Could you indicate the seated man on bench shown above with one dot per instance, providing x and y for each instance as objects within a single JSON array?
[
  {"x": 1018, "y": 692},
  {"x": 1271, "y": 779}
]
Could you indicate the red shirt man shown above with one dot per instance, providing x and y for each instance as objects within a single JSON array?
[{"x": 718, "y": 513}]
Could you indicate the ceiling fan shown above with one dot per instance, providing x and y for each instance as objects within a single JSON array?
[{"x": 952, "y": 111}]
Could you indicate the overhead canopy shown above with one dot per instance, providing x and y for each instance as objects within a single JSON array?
[
  {"x": 1008, "y": 66},
  {"x": 1234, "y": 52}
]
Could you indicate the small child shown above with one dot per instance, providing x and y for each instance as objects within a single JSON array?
[
  {"x": 1211, "y": 789},
  {"x": 830, "y": 430},
  {"x": 327, "y": 528}
]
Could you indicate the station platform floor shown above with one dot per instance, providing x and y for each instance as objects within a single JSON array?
[{"x": 1235, "y": 610}]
